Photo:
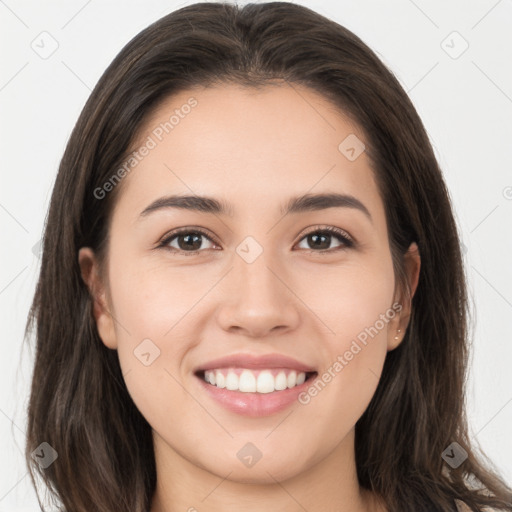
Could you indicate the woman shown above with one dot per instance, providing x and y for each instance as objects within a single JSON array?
[{"x": 201, "y": 343}]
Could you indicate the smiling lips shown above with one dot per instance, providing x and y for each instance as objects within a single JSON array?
[
  {"x": 254, "y": 385},
  {"x": 255, "y": 381}
]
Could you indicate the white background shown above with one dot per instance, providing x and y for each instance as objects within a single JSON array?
[{"x": 464, "y": 102}]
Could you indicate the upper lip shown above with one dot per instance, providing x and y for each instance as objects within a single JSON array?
[{"x": 256, "y": 362}]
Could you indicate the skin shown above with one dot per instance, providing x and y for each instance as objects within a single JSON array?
[{"x": 255, "y": 150}]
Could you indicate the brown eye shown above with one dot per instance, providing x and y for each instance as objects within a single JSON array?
[
  {"x": 186, "y": 241},
  {"x": 321, "y": 239}
]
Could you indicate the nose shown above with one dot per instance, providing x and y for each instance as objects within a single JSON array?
[{"x": 258, "y": 301}]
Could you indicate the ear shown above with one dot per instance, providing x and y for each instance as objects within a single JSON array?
[
  {"x": 398, "y": 325},
  {"x": 89, "y": 269}
]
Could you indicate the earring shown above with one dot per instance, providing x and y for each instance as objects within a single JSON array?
[{"x": 396, "y": 337}]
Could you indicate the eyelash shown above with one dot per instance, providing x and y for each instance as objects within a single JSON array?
[{"x": 341, "y": 235}]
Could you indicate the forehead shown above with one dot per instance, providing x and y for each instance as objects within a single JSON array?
[{"x": 250, "y": 146}]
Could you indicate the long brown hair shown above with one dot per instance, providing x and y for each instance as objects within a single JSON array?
[{"x": 79, "y": 403}]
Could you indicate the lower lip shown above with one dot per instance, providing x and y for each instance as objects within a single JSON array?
[{"x": 255, "y": 404}]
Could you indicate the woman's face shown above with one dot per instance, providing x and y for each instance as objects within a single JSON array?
[{"x": 256, "y": 281}]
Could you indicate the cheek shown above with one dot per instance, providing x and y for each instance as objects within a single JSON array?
[
  {"x": 358, "y": 311},
  {"x": 151, "y": 314},
  {"x": 354, "y": 298},
  {"x": 345, "y": 386},
  {"x": 150, "y": 299}
]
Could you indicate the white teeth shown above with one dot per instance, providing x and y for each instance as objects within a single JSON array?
[
  {"x": 281, "y": 381},
  {"x": 231, "y": 381},
  {"x": 248, "y": 382},
  {"x": 265, "y": 382},
  {"x": 292, "y": 379},
  {"x": 220, "y": 380}
]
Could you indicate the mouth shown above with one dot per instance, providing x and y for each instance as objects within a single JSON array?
[
  {"x": 254, "y": 385},
  {"x": 261, "y": 381}
]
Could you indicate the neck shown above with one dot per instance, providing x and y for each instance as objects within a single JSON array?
[{"x": 328, "y": 484}]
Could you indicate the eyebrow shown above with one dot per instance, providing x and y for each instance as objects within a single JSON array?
[{"x": 307, "y": 202}]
